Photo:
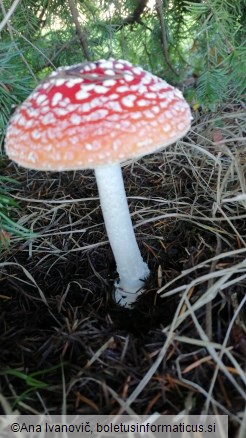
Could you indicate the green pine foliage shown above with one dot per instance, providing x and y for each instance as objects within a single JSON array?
[
  {"x": 8, "y": 207},
  {"x": 211, "y": 86},
  {"x": 204, "y": 38},
  {"x": 219, "y": 48},
  {"x": 14, "y": 86},
  {"x": 236, "y": 68}
]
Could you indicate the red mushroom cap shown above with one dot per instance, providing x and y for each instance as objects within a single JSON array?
[{"x": 94, "y": 114}]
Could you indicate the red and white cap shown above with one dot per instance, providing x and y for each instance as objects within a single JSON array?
[{"x": 96, "y": 114}]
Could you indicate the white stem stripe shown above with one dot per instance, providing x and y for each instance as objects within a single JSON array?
[{"x": 130, "y": 265}]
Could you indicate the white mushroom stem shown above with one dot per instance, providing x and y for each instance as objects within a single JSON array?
[{"x": 131, "y": 268}]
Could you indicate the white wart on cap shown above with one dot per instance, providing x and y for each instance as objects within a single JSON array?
[{"x": 96, "y": 114}]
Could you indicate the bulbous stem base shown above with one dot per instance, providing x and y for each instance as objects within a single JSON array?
[{"x": 125, "y": 298}]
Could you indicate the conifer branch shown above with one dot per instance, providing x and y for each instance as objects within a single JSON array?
[
  {"x": 82, "y": 34},
  {"x": 9, "y": 13},
  {"x": 159, "y": 10},
  {"x": 135, "y": 16}
]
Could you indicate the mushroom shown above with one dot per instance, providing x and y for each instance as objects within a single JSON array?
[{"x": 96, "y": 115}]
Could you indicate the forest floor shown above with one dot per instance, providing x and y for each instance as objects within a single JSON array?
[{"x": 65, "y": 345}]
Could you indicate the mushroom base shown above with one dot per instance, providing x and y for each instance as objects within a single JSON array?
[{"x": 125, "y": 298}]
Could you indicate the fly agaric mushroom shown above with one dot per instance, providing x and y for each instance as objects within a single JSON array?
[{"x": 96, "y": 115}]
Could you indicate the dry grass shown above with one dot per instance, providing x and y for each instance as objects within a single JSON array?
[{"x": 183, "y": 348}]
